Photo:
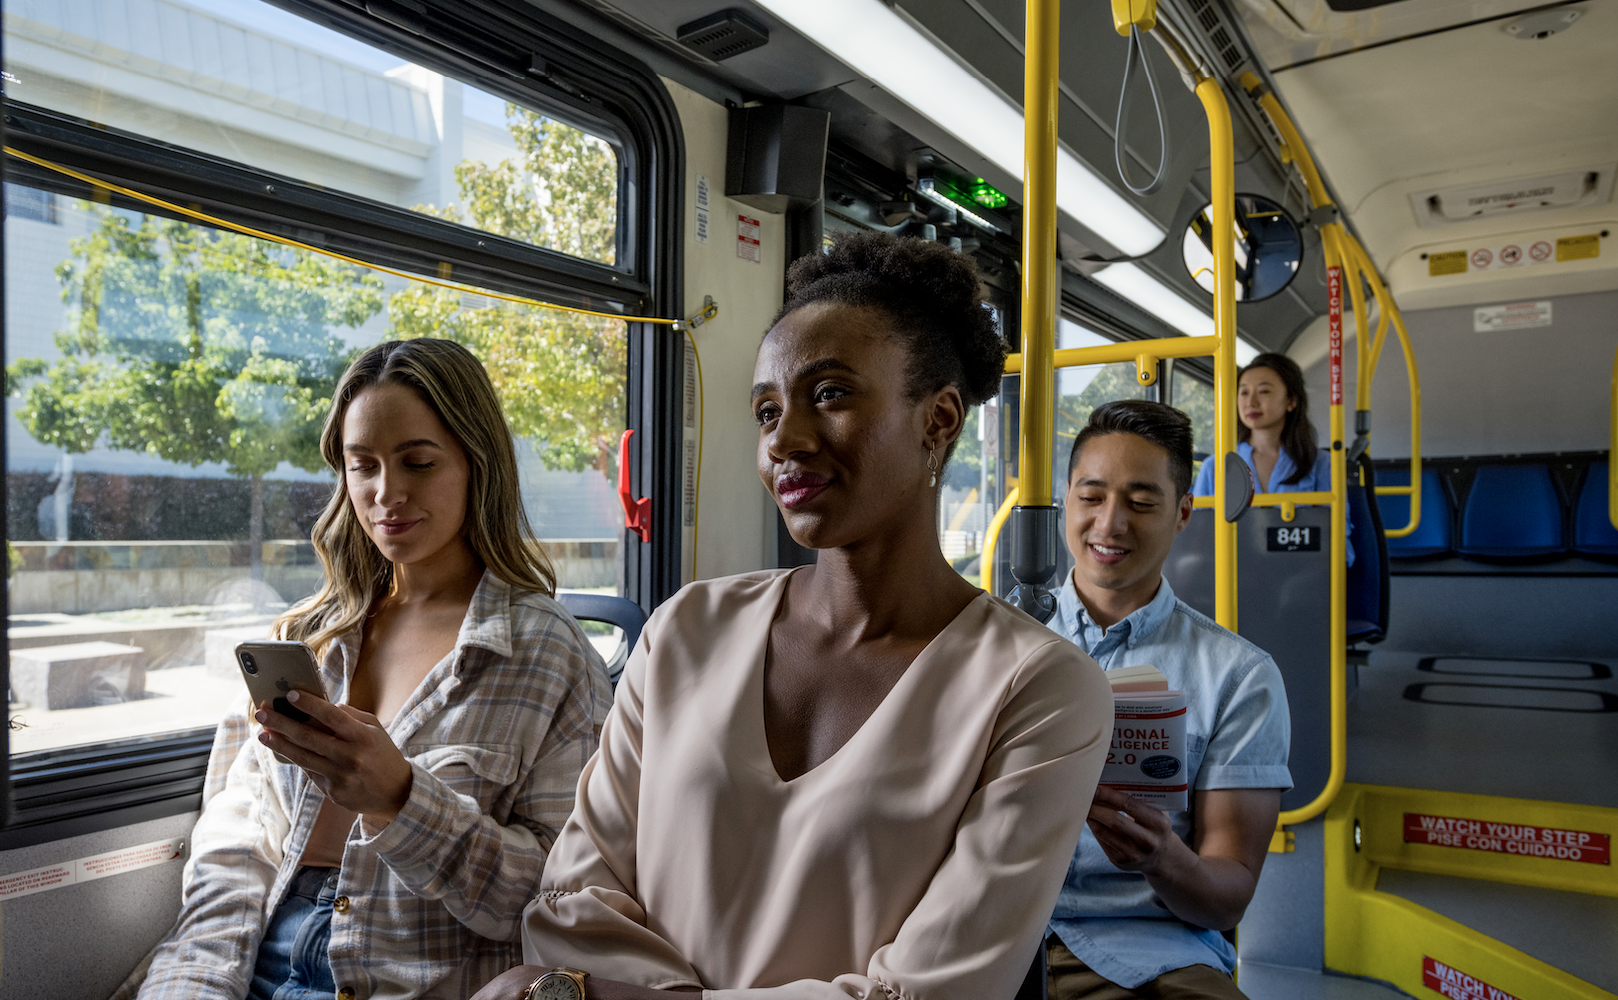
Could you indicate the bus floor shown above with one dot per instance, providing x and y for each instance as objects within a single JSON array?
[{"x": 1516, "y": 727}]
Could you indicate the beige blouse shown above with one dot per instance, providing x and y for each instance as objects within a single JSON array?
[{"x": 922, "y": 860}]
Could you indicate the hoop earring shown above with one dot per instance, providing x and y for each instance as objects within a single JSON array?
[{"x": 932, "y": 467}]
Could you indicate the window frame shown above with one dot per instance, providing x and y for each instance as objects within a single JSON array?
[{"x": 509, "y": 49}]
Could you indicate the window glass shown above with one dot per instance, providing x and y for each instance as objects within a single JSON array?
[
  {"x": 248, "y": 82},
  {"x": 1195, "y": 398},
  {"x": 990, "y": 447},
  {"x": 167, "y": 383}
]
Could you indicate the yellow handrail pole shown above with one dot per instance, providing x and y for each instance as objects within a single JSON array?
[
  {"x": 986, "y": 560},
  {"x": 1332, "y": 237},
  {"x": 1389, "y": 310},
  {"x": 1126, "y": 350},
  {"x": 1612, "y": 451},
  {"x": 1222, "y": 192},
  {"x": 1338, "y": 636},
  {"x": 1033, "y": 521}
]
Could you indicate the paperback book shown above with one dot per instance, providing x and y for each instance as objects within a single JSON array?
[{"x": 1147, "y": 756}]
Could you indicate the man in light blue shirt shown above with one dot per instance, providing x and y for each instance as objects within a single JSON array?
[{"x": 1149, "y": 892}]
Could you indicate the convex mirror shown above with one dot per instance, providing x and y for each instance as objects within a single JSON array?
[{"x": 1269, "y": 248}]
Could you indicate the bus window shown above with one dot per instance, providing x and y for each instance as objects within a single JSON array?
[
  {"x": 248, "y": 82},
  {"x": 1078, "y": 392},
  {"x": 1195, "y": 398},
  {"x": 169, "y": 377},
  {"x": 163, "y": 461}
]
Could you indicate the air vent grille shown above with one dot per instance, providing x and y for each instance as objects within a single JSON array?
[
  {"x": 1218, "y": 34},
  {"x": 724, "y": 35}
]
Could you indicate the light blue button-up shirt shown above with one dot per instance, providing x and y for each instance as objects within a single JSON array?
[
  {"x": 1317, "y": 479},
  {"x": 1237, "y": 736}
]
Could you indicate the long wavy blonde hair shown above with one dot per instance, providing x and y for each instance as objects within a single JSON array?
[{"x": 450, "y": 380}]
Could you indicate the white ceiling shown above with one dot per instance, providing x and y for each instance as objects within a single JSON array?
[{"x": 1467, "y": 105}]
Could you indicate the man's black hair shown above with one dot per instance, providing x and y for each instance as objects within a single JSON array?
[
  {"x": 933, "y": 296},
  {"x": 1158, "y": 423}
]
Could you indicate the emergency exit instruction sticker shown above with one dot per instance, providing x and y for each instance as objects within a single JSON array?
[
  {"x": 1509, "y": 838},
  {"x": 1452, "y": 982},
  {"x": 96, "y": 866}
]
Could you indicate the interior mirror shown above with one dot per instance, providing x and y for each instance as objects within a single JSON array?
[{"x": 1269, "y": 248}]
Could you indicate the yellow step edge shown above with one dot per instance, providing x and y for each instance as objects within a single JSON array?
[{"x": 1385, "y": 937}]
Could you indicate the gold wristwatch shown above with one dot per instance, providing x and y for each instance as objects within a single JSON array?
[{"x": 557, "y": 984}]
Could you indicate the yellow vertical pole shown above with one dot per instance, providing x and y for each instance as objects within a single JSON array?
[
  {"x": 1335, "y": 251},
  {"x": 1035, "y": 534},
  {"x": 1038, "y": 252},
  {"x": 1222, "y": 162}
]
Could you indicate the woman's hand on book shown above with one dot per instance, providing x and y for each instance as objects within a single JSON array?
[{"x": 354, "y": 762}]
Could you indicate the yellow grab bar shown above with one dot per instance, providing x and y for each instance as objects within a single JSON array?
[
  {"x": 986, "y": 559},
  {"x": 1341, "y": 268},
  {"x": 1039, "y": 286},
  {"x": 1388, "y": 310},
  {"x": 1222, "y": 193},
  {"x": 1138, "y": 351}
]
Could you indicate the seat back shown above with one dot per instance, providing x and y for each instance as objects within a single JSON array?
[
  {"x": 608, "y": 609},
  {"x": 1034, "y": 983},
  {"x": 1512, "y": 512},
  {"x": 1435, "y": 535},
  {"x": 1593, "y": 533},
  {"x": 1368, "y": 589}
]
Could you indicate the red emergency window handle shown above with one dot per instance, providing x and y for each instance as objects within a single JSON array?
[{"x": 637, "y": 513}]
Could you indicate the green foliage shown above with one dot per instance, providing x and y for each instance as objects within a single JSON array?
[
  {"x": 560, "y": 375},
  {"x": 193, "y": 345},
  {"x": 561, "y": 193},
  {"x": 1196, "y": 400}
]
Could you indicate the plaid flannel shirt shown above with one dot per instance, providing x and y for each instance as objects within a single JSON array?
[{"x": 496, "y": 736}]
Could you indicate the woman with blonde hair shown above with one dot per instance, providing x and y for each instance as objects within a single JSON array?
[{"x": 386, "y": 849}]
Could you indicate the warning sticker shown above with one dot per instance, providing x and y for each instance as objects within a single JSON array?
[
  {"x": 1509, "y": 838},
  {"x": 1454, "y": 983},
  {"x": 1578, "y": 247},
  {"x": 1453, "y": 262},
  {"x": 1334, "y": 310},
  {"x": 703, "y": 195},
  {"x": 748, "y": 232},
  {"x": 1516, "y": 316},
  {"x": 88, "y": 869}
]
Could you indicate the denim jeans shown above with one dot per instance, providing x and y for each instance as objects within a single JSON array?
[{"x": 292, "y": 962}]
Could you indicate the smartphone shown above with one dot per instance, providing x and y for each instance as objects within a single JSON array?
[{"x": 272, "y": 667}]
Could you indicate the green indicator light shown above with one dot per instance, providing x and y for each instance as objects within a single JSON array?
[{"x": 984, "y": 194}]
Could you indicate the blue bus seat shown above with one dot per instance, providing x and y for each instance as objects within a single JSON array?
[
  {"x": 1435, "y": 535},
  {"x": 610, "y": 610},
  {"x": 1368, "y": 583},
  {"x": 1593, "y": 533},
  {"x": 1512, "y": 512}
]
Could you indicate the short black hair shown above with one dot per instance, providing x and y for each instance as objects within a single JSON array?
[
  {"x": 1158, "y": 423},
  {"x": 932, "y": 294}
]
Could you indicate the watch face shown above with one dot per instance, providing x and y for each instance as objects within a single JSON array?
[{"x": 557, "y": 987}]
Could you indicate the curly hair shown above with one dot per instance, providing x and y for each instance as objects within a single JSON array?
[{"x": 929, "y": 291}]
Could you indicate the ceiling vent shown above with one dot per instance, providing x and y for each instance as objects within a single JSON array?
[
  {"x": 1520, "y": 194},
  {"x": 723, "y": 35}
]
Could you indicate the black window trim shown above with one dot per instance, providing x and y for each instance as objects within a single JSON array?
[{"x": 508, "y": 48}]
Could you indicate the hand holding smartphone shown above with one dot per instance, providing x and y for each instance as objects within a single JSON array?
[{"x": 273, "y": 667}]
